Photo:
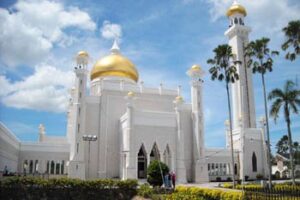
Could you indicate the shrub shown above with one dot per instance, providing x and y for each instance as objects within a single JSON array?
[
  {"x": 154, "y": 176},
  {"x": 205, "y": 193},
  {"x": 227, "y": 185},
  {"x": 145, "y": 191},
  {"x": 246, "y": 178},
  {"x": 259, "y": 176},
  {"x": 228, "y": 179},
  {"x": 64, "y": 188},
  {"x": 218, "y": 179}
]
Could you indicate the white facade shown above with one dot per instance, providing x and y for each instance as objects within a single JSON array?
[{"x": 135, "y": 124}]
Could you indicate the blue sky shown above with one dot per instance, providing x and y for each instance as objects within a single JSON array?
[{"x": 38, "y": 41}]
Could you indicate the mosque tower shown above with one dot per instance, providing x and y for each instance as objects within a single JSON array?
[
  {"x": 248, "y": 140},
  {"x": 242, "y": 90},
  {"x": 199, "y": 165},
  {"x": 76, "y": 108}
]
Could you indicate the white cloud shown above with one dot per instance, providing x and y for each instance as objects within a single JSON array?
[
  {"x": 266, "y": 16},
  {"x": 45, "y": 90},
  {"x": 110, "y": 30},
  {"x": 29, "y": 32}
]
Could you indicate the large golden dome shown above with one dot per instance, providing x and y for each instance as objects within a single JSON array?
[
  {"x": 114, "y": 65},
  {"x": 236, "y": 8}
]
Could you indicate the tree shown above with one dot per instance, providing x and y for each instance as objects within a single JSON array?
[
  {"x": 292, "y": 41},
  {"x": 289, "y": 100},
  {"x": 282, "y": 147},
  {"x": 260, "y": 60},
  {"x": 155, "y": 172},
  {"x": 223, "y": 69}
]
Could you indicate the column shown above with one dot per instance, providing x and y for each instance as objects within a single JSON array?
[
  {"x": 180, "y": 164},
  {"x": 131, "y": 168}
]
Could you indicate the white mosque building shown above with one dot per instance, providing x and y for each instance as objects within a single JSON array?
[{"x": 129, "y": 125}]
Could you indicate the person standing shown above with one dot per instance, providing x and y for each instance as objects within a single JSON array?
[{"x": 173, "y": 177}]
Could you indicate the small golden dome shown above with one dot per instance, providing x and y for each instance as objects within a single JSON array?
[
  {"x": 82, "y": 53},
  {"x": 114, "y": 65},
  {"x": 130, "y": 94},
  {"x": 195, "y": 67},
  {"x": 236, "y": 8}
]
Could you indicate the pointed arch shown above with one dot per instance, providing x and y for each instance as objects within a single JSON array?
[
  {"x": 52, "y": 166},
  {"x": 142, "y": 162},
  {"x": 31, "y": 167},
  {"x": 154, "y": 154},
  {"x": 254, "y": 162}
]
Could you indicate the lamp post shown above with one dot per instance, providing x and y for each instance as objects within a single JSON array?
[{"x": 89, "y": 138}]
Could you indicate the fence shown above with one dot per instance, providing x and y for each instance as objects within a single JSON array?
[{"x": 273, "y": 194}]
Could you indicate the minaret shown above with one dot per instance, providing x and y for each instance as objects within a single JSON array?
[
  {"x": 180, "y": 165},
  {"x": 248, "y": 140},
  {"x": 76, "y": 110},
  {"x": 242, "y": 90},
  {"x": 81, "y": 75},
  {"x": 200, "y": 166}
]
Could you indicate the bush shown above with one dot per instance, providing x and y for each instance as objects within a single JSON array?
[
  {"x": 227, "y": 185},
  {"x": 228, "y": 179},
  {"x": 218, "y": 179},
  {"x": 145, "y": 191},
  {"x": 259, "y": 176},
  {"x": 64, "y": 188},
  {"x": 154, "y": 176},
  {"x": 204, "y": 193}
]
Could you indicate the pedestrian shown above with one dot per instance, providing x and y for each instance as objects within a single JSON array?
[
  {"x": 166, "y": 180},
  {"x": 173, "y": 177},
  {"x": 170, "y": 179}
]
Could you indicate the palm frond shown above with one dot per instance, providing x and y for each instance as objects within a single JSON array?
[{"x": 276, "y": 93}]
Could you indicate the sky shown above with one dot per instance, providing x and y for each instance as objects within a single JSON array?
[{"x": 40, "y": 38}]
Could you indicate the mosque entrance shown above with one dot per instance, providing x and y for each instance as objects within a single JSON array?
[
  {"x": 154, "y": 155},
  {"x": 142, "y": 163}
]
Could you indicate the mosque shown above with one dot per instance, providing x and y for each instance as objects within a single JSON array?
[{"x": 118, "y": 126}]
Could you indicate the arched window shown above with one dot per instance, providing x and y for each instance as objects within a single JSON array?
[
  {"x": 142, "y": 162},
  {"x": 235, "y": 20},
  {"x": 52, "y": 166},
  {"x": 31, "y": 167},
  {"x": 47, "y": 168},
  {"x": 254, "y": 163},
  {"x": 57, "y": 167},
  {"x": 241, "y": 21},
  {"x": 154, "y": 155}
]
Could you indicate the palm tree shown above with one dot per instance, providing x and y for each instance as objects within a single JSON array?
[
  {"x": 292, "y": 35},
  {"x": 260, "y": 59},
  {"x": 289, "y": 100},
  {"x": 222, "y": 68}
]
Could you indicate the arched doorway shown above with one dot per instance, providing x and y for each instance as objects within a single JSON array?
[
  {"x": 154, "y": 155},
  {"x": 142, "y": 163}
]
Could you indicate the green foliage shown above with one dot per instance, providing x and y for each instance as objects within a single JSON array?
[
  {"x": 260, "y": 56},
  {"x": 155, "y": 171},
  {"x": 145, "y": 191},
  {"x": 64, "y": 188},
  {"x": 292, "y": 40},
  {"x": 227, "y": 185},
  {"x": 182, "y": 192},
  {"x": 259, "y": 176},
  {"x": 222, "y": 68}
]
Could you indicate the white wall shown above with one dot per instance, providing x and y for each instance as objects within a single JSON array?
[{"x": 9, "y": 149}]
